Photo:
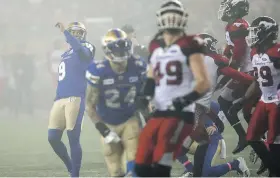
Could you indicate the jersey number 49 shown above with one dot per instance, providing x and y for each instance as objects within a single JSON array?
[{"x": 173, "y": 70}]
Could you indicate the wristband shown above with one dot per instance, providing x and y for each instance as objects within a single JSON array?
[
  {"x": 102, "y": 128},
  {"x": 191, "y": 97}
]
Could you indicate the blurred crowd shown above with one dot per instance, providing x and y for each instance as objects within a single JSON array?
[{"x": 28, "y": 37}]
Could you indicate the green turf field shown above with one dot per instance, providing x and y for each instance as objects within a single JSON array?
[{"x": 24, "y": 151}]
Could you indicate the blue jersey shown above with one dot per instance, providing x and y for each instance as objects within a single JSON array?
[
  {"x": 117, "y": 92},
  {"x": 72, "y": 69}
]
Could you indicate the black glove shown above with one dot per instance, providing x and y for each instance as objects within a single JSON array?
[
  {"x": 180, "y": 102},
  {"x": 102, "y": 128},
  {"x": 237, "y": 106}
]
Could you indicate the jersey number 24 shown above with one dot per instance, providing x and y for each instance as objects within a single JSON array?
[{"x": 113, "y": 98}]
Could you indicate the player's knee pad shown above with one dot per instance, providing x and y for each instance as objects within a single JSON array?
[
  {"x": 142, "y": 170},
  {"x": 54, "y": 135}
]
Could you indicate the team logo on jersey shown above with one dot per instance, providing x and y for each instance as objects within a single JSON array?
[
  {"x": 133, "y": 79},
  {"x": 237, "y": 24},
  {"x": 120, "y": 77},
  {"x": 108, "y": 81}
]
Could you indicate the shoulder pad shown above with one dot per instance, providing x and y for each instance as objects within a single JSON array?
[
  {"x": 88, "y": 45},
  {"x": 154, "y": 44},
  {"x": 238, "y": 24},
  {"x": 274, "y": 51},
  {"x": 191, "y": 44}
]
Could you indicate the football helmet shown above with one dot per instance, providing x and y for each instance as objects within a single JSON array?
[
  {"x": 116, "y": 45},
  {"x": 232, "y": 9},
  {"x": 209, "y": 41},
  {"x": 78, "y": 30},
  {"x": 263, "y": 29},
  {"x": 172, "y": 15}
]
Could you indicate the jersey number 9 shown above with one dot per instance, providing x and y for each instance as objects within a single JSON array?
[{"x": 61, "y": 71}]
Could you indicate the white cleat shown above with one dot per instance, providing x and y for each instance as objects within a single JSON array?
[
  {"x": 187, "y": 174},
  {"x": 243, "y": 168}
]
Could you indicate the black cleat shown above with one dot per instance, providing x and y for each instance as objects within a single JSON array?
[
  {"x": 240, "y": 147},
  {"x": 261, "y": 169}
]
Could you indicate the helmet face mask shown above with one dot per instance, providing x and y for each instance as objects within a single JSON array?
[
  {"x": 233, "y": 9},
  {"x": 78, "y": 30},
  {"x": 223, "y": 13},
  {"x": 79, "y": 34},
  {"x": 119, "y": 50},
  {"x": 116, "y": 46},
  {"x": 209, "y": 42},
  {"x": 263, "y": 30},
  {"x": 172, "y": 15},
  {"x": 252, "y": 37}
]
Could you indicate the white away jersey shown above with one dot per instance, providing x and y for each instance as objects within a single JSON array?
[
  {"x": 171, "y": 71},
  {"x": 268, "y": 76}
]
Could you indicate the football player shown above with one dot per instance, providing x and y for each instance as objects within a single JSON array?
[
  {"x": 176, "y": 63},
  {"x": 216, "y": 65},
  {"x": 265, "y": 57},
  {"x": 206, "y": 153},
  {"x": 232, "y": 12},
  {"x": 69, "y": 105},
  {"x": 113, "y": 85}
]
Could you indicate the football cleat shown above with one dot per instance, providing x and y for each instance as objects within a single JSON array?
[{"x": 243, "y": 168}]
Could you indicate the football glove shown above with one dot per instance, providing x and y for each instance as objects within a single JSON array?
[
  {"x": 109, "y": 135},
  {"x": 112, "y": 137},
  {"x": 180, "y": 102}
]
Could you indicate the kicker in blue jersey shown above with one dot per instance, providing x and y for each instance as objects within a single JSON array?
[
  {"x": 68, "y": 109},
  {"x": 117, "y": 91}
]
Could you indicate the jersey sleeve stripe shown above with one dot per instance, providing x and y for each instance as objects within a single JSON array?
[{"x": 92, "y": 78}]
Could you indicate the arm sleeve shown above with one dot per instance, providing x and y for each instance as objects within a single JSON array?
[
  {"x": 234, "y": 74},
  {"x": 239, "y": 50},
  {"x": 85, "y": 50},
  {"x": 92, "y": 75}
]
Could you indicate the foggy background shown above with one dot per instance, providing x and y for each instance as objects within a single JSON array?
[
  {"x": 28, "y": 37},
  {"x": 27, "y": 84}
]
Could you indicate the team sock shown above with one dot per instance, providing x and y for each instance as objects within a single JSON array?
[
  {"x": 184, "y": 160},
  {"x": 76, "y": 150},
  {"x": 54, "y": 137},
  {"x": 130, "y": 168}
]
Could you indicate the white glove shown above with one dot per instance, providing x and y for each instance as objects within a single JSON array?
[{"x": 112, "y": 137}]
